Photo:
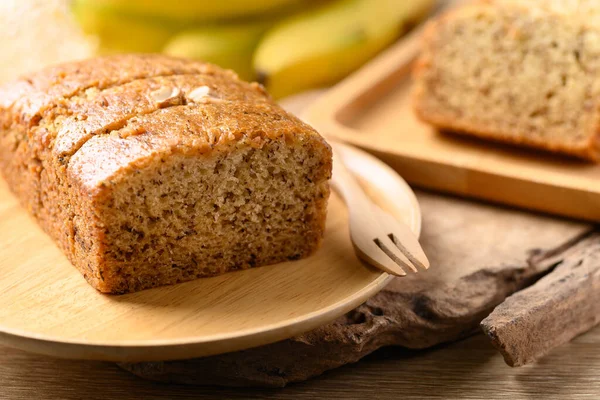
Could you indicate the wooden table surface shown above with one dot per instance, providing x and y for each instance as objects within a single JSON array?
[{"x": 470, "y": 369}]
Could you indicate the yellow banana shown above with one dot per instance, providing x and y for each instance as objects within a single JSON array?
[
  {"x": 124, "y": 33},
  {"x": 199, "y": 10},
  {"x": 229, "y": 46},
  {"x": 321, "y": 46}
]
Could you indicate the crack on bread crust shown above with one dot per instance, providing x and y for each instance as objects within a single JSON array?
[
  {"x": 141, "y": 104},
  {"x": 197, "y": 129},
  {"x": 32, "y": 103}
]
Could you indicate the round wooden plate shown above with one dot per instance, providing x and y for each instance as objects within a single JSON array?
[{"x": 47, "y": 307}]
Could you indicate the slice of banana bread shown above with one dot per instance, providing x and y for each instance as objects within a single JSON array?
[
  {"x": 151, "y": 170},
  {"x": 520, "y": 71}
]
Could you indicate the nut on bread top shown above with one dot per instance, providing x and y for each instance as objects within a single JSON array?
[{"x": 99, "y": 116}]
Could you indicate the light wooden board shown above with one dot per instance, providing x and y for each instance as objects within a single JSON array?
[
  {"x": 47, "y": 307},
  {"x": 372, "y": 109}
]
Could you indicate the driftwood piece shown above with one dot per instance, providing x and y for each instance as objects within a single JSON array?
[
  {"x": 480, "y": 254},
  {"x": 560, "y": 306}
]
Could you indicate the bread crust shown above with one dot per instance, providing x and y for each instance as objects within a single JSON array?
[{"x": 590, "y": 152}]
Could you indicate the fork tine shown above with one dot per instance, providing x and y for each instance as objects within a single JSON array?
[
  {"x": 390, "y": 248},
  {"x": 414, "y": 260},
  {"x": 374, "y": 255},
  {"x": 402, "y": 238}
]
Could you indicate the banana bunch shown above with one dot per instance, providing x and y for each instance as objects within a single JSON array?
[{"x": 288, "y": 45}]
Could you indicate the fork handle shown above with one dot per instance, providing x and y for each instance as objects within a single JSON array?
[{"x": 345, "y": 183}]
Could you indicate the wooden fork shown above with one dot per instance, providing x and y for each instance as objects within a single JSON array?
[{"x": 378, "y": 237}]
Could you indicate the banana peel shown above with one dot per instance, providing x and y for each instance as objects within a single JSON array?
[
  {"x": 229, "y": 46},
  {"x": 324, "y": 45}
]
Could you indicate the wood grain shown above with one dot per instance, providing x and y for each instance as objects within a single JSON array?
[
  {"x": 471, "y": 369},
  {"x": 372, "y": 109},
  {"x": 560, "y": 306},
  {"x": 47, "y": 307}
]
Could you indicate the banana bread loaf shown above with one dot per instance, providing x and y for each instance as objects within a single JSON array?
[
  {"x": 520, "y": 71},
  {"x": 149, "y": 170}
]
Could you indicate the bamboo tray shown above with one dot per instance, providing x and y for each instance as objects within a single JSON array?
[
  {"x": 47, "y": 307},
  {"x": 372, "y": 110}
]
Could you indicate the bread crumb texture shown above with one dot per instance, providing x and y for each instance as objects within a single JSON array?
[
  {"x": 520, "y": 71},
  {"x": 149, "y": 170}
]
